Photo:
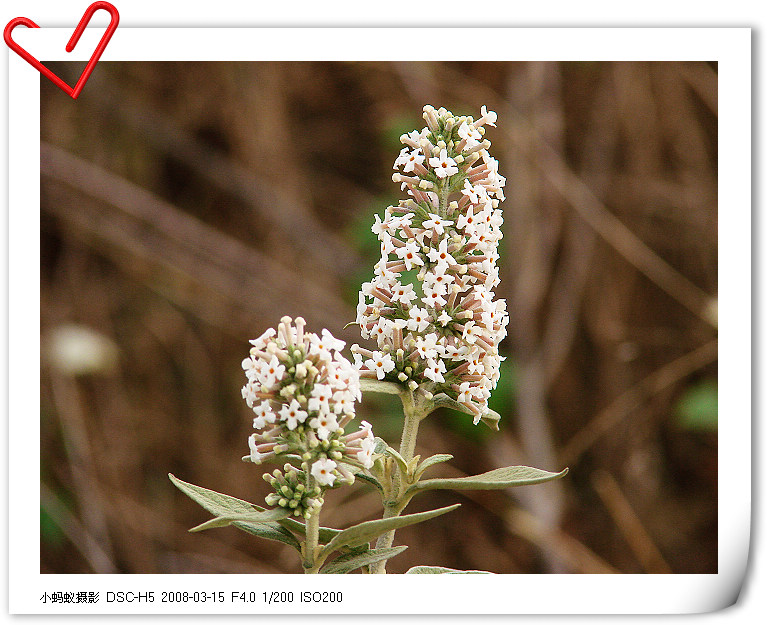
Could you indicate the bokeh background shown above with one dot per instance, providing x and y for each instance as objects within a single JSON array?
[{"x": 185, "y": 207}]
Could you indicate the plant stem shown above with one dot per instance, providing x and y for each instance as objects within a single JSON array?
[
  {"x": 312, "y": 539},
  {"x": 413, "y": 416},
  {"x": 414, "y": 413}
]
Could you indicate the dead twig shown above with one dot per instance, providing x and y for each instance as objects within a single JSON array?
[{"x": 629, "y": 523}]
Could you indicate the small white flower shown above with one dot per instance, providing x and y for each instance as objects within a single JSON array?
[
  {"x": 324, "y": 425},
  {"x": 441, "y": 256},
  {"x": 387, "y": 244},
  {"x": 436, "y": 223},
  {"x": 343, "y": 402},
  {"x": 410, "y": 159},
  {"x": 444, "y": 318},
  {"x": 401, "y": 159},
  {"x": 434, "y": 299},
  {"x": 383, "y": 271},
  {"x": 468, "y": 221},
  {"x": 320, "y": 398},
  {"x": 264, "y": 415},
  {"x": 470, "y": 332},
  {"x": 414, "y": 136},
  {"x": 476, "y": 367},
  {"x": 272, "y": 372},
  {"x": 419, "y": 319},
  {"x": 322, "y": 471},
  {"x": 404, "y": 294},
  {"x": 378, "y": 227},
  {"x": 318, "y": 346},
  {"x": 435, "y": 370},
  {"x": 409, "y": 254},
  {"x": 381, "y": 364},
  {"x": 427, "y": 346},
  {"x": 249, "y": 393},
  {"x": 464, "y": 394},
  {"x": 471, "y": 134},
  {"x": 250, "y": 368},
  {"x": 365, "y": 455},
  {"x": 255, "y": 456},
  {"x": 438, "y": 281},
  {"x": 331, "y": 342},
  {"x": 400, "y": 222},
  {"x": 261, "y": 342},
  {"x": 443, "y": 165},
  {"x": 490, "y": 117},
  {"x": 382, "y": 331},
  {"x": 292, "y": 414}
]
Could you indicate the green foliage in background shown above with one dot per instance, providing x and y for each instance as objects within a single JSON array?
[{"x": 698, "y": 407}]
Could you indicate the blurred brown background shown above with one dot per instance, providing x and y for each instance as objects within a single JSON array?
[{"x": 187, "y": 206}]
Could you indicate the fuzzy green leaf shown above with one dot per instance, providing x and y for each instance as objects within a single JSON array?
[
  {"x": 270, "y": 531},
  {"x": 353, "y": 561},
  {"x": 491, "y": 418},
  {"x": 368, "y": 385},
  {"x": 362, "y": 474},
  {"x": 216, "y": 503},
  {"x": 393, "y": 453},
  {"x": 364, "y": 532},
  {"x": 430, "y": 462},
  {"x": 254, "y": 517},
  {"x": 221, "y": 505},
  {"x": 505, "y": 477},
  {"x": 370, "y": 480},
  {"x": 436, "y": 570}
]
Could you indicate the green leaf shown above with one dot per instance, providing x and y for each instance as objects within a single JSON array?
[
  {"x": 380, "y": 445},
  {"x": 253, "y": 517},
  {"x": 436, "y": 570},
  {"x": 367, "y": 531},
  {"x": 216, "y": 503},
  {"x": 490, "y": 418},
  {"x": 393, "y": 453},
  {"x": 497, "y": 478},
  {"x": 367, "y": 385},
  {"x": 430, "y": 462},
  {"x": 221, "y": 505},
  {"x": 270, "y": 531},
  {"x": 353, "y": 561},
  {"x": 370, "y": 480}
]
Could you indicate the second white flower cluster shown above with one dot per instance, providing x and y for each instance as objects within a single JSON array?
[{"x": 303, "y": 392}]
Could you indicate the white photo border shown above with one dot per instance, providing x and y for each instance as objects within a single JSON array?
[{"x": 445, "y": 594}]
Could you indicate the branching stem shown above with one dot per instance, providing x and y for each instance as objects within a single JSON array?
[{"x": 415, "y": 410}]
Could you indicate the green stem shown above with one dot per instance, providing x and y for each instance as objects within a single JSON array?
[
  {"x": 414, "y": 413},
  {"x": 312, "y": 538},
  {"x": 443, "y": 195}
]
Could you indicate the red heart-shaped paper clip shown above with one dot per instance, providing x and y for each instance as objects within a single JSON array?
[{"x": 72, "y": 91}]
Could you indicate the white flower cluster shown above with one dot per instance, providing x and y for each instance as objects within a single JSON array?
[
  {"x": 303, "y": 392},
  {"x": 431, "y": 305}
]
